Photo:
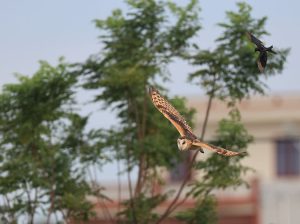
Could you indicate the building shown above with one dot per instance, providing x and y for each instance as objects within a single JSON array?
[
  {"x": 274, "y": 193},
  {"x": 274, "y": 121}
]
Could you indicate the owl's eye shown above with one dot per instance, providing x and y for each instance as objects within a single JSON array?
[{"x": 183, "y": 142}]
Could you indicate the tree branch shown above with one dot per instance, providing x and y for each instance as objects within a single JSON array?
[
  {"x": 119, "y": 184},
  {"x": 142, "y": 132},
  {"x": 95, "y": 186},
  {"x": 132, "y": 206},
  {"x": 130, "y": 190}
]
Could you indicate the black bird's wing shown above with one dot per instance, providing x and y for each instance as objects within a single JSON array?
[
  {"x": 262, "y": 61},
  {"x": 254, "y": 40}
]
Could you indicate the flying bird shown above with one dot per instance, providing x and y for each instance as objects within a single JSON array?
[
  {"x": 187, "y": 139},
  {"x": 263, "y": 55}
]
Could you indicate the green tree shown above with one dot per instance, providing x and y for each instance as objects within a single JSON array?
[
  {"x": 40, "y": 153},
  {"x": 136, "y": 51},
  {"x": 228, "y": 73}
]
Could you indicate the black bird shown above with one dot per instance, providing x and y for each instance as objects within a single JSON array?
[{"x": 263, "y": 56}]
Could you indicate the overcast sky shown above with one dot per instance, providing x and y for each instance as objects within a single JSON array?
[{"x": 34, "y": 30}]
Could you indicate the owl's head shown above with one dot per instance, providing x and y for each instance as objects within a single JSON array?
[{"x": 184, "y": 144}]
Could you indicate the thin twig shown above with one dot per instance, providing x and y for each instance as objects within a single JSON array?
[
  {"x": 101, "y": 198},
  {"x": 142, "y": 159},
  {"x": 144, "y": 124},
  {"x": 7, "y": 202},
  {"x": 100, "y": 201},
  {"x": 119, "y": 183},
  {"x": 29, "y": 204},
  {"x": 52, "y": 196},
  {"x": 206, "y": 116},
  {"x": 131, "y": 202},
  {"x": 89, "y": 174},
  {"x": 130, "y": 191}
]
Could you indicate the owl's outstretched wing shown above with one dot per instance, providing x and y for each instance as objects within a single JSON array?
[
  {"x": 171, "y": 113},
  {"x": 216, "y": 149}
]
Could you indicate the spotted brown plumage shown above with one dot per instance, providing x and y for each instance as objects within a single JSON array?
[
  {"x": 188, "y": 140},
  {"x": 171, "y": 113},
  {"x": 216, "y": 149}
]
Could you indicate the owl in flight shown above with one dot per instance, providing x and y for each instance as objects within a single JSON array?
[
  {"x": 263, "y": 56},
  {"x": 187, "y": 139}
]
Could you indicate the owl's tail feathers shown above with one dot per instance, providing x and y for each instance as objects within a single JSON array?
[{"x": 218, "y": 150}]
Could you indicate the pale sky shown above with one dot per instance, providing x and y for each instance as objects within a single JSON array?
[{"x": 34, "y": 30}]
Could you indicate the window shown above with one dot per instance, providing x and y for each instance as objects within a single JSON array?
[
  {"x": 179, "y": 172},
  {"x": 288, "y": 157}
]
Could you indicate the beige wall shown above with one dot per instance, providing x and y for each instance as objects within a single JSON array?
[
  {"x": 261, "y": 159},
  {"x": 266, "y": 118}
]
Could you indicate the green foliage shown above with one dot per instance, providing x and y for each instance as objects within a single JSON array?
[
  {"x": 71, "y": 196},
  {"x": 204, "y": 212},
  {"x": 142, "y": 210},
  {"x": 222, "y": 172},
  {"x": 40, "y": 139},
  {"x": 230, "y": 71},
  {"x": 218, "y": 172},
  {"x": 158, "y": 143},
  {"x": 137, "y": 47}
]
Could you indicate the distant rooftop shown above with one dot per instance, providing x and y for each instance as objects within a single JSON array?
[{"x": 259, "y": 114}]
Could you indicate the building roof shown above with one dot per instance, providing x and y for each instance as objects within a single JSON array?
[{"x": 263, "y": 112}]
